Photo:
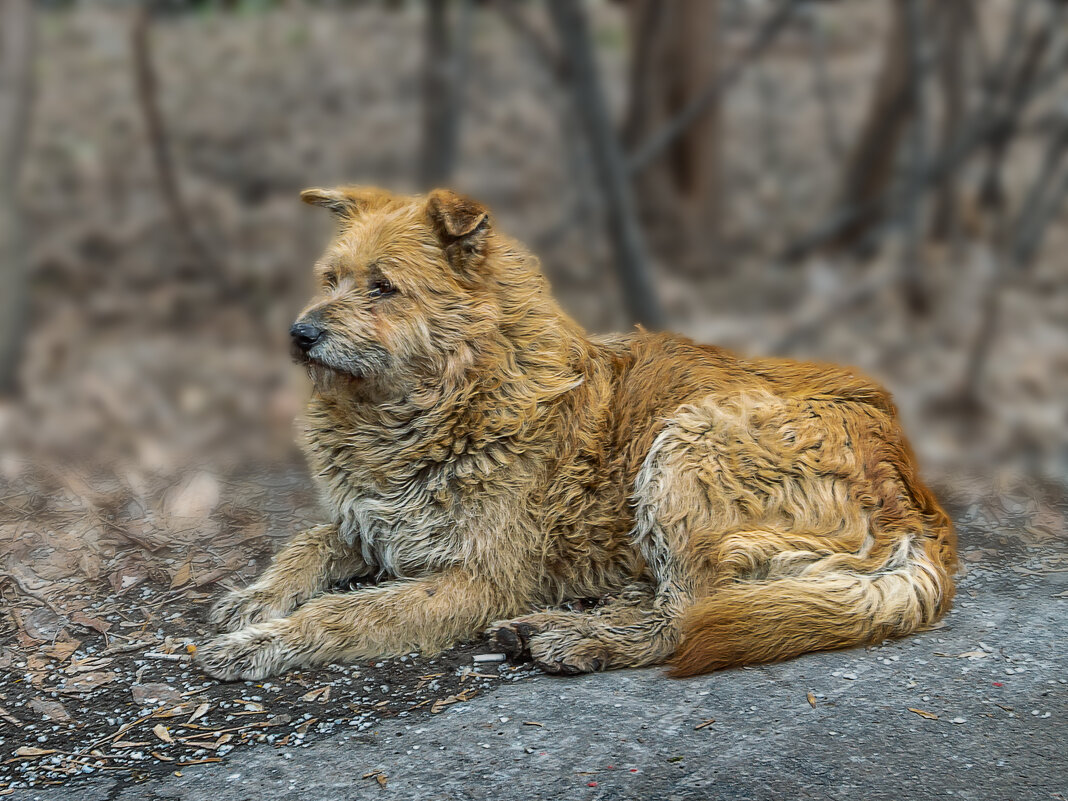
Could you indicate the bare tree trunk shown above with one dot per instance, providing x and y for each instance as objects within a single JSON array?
[
  {"x": 17, "y": 37},
  {"x": 628, "y": 242},
  {"x": 954, "y": 19},
  {"x": 1043, "y": 203},
  {"x": 675, "y": 58},
  {"x": 871, "y": 163},
  {"x": 147, "y": 85},
  {"x": 445, "y": 54},
  {"x": 1018, "y": 93},
  {"x": 913, "y": 263}
]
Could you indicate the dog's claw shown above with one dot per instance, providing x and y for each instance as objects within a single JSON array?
[
  {"x": 513, "y": 639},
  {"x": 509, "y": 642}
]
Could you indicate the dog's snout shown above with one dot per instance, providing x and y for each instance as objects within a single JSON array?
[{"x": 306, "y": 335}]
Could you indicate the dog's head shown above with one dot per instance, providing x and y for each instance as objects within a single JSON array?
[{"x": 403, "y": 291}]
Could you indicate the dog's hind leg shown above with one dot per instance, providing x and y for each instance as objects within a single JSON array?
[
  {"x": 304, "y": 568},
  {"x": 674, "y": 497},
  {"x": 633, "y": 629},
  {"x": 644, "y": 627}
]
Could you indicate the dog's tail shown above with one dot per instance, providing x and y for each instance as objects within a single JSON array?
[{"x": 830, "y": 602}]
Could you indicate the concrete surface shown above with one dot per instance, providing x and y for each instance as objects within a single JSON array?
[{"x": 995, "y": 675}]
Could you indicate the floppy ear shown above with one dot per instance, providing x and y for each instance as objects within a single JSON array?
[
  {"x": 462, "y": 225},
  {"x": 345, "y": 202}
]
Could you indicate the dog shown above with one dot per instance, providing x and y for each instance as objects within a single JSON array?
[{"x": 486, "y": 460}]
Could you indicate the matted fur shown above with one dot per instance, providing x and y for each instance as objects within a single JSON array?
[{"x": 486, "y": 460}]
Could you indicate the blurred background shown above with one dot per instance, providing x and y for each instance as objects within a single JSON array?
[{"x": 876, "y": 183}]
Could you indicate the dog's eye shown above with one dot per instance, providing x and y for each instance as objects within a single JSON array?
[
  {"x": 381, "y": 287},
  {"x": 330, "y": 279}
]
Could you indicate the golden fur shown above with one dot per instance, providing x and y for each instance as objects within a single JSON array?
[{"x": 487, "y": 460}]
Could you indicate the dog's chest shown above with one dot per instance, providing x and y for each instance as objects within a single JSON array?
[
  {"x": 407, "y": 518},
  {"x": 404, "y": 530}
]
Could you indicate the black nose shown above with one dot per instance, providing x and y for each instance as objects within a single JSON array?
[{"x": 306, "y": 335}]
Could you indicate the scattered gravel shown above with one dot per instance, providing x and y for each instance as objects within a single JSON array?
[{"x": 127, "y": 700}]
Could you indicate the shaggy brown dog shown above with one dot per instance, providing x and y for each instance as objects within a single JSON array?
[{"x": 487, "y": 459}]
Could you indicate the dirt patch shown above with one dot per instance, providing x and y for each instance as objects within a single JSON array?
[{"x": 114, "y": 692}]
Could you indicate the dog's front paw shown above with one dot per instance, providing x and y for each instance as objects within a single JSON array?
[
  {"x": 568, "y": 652},
  {"x": 242, "y": 608},
  {"x": 251, "y": 654}
]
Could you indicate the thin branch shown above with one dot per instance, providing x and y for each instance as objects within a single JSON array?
[
  {"x": 445, "y": 65},
  {"x": 1040, "y": 207},
  {"x": 957, "y": 37},
  {"x": 817, "y": 40},
  {"x": 147, "y": 84},
  {"x": 912, "y": 199},
  {"x": 870, "y": 167},
  {"x": 983, "y": 124},
  {"x": 18, "y": 35},
  {"x": 659, "y": 142},
  {"x": 1017, "y": 94},
  {"x": 546, "y": 52},
  {"x": 646, "y": 31},
  {"x": 628, "y": 242},
  {"x": 1043, "y": 200},
  {"x": 1024, "y": 251}
]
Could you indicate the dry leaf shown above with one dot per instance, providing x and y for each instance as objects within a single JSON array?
[
  {"x": 155, "y": 693},
  {"x": 181, "y": 576},
  {"x": 161, "y": 731},
  {"x": 94, "y": 623},
  {"x": 199, "y": 712},
  {"x": 63, "y": 649},
  {"x": 441, "y": 703},
  {"x": 88, "y": 681},
  {"x": 322, "y": 694},
  {"x": 811, "y": 700},
  {"x": 5, "y": 715},
  {"x": 924, "y": 714},
  {"x": 87, "y": 664},
  {"x": 174, "y": 711},
  {"x": 53, "y": 710},
  {"x": 32, "y": 751},
  {"x": 128, "y": 573},
  {"x": 42, "y": 624}
]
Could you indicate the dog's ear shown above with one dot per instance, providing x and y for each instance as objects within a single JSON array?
[
  {"x": 345, "y": 202},
  {"x": 462, "y": 225}
]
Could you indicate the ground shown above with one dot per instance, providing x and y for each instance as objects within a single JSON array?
[{"x": 974, "y": 709}]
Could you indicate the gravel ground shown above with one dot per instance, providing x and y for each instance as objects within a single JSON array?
[
  {"x": 975, "y": 710},
  {"x": 137, "y": 709}
]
